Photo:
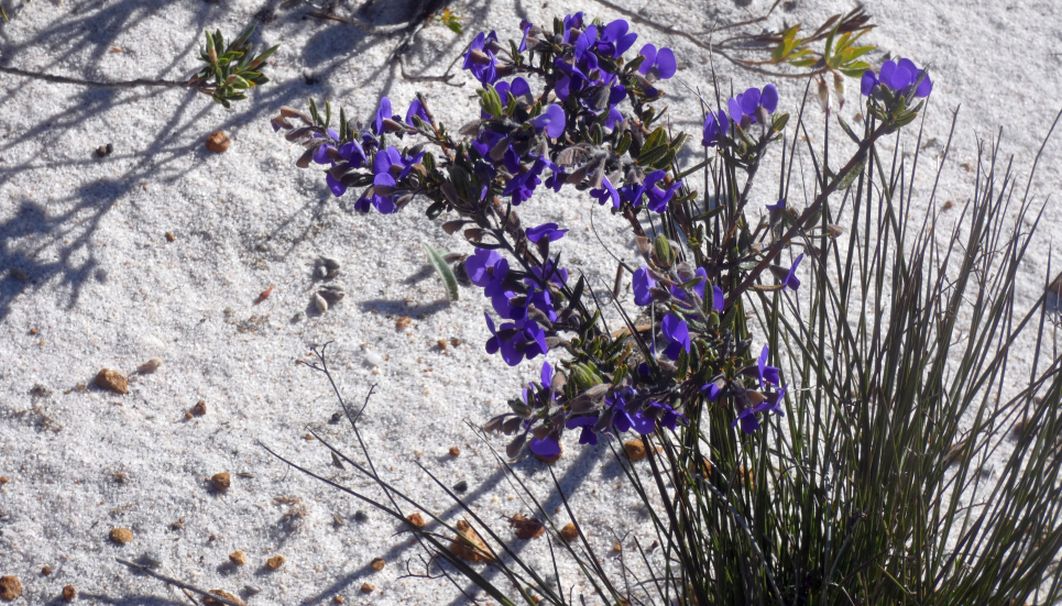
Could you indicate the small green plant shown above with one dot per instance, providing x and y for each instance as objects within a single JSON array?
[{"x": 230, "y": 70}]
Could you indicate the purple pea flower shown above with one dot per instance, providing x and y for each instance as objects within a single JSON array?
[
  {"x": 416, "y": 108},
  {"x": 525, "y": 27},
  {"x": 607, "y": 192},
  {"x": 552, "y": 120},
  {"x": 480, "y": 58},
  {"x": 765, "y": 372},
  {"x": 715, "y": 128},
  {"x": 549, "y": 231},
  {"x": 383, "y": 112},
  {"x": 677, "y": 334},
  {"x": 777, "y": 206},
  {"x": 713, "y": 389},
  {"x": 586, "y": 423},
  {"x": 642, "y": 283},
  {"x": 516, "y": 340},
  {"x": 659, "y": 63},
  {"x": 748, "y": 419},
  {"x": 718, "y": 299},
  {"x": 615, "y": 39},
  {"x": 545, "y": 448},
  {"x": 901, "y": 76},
  {"x": 791, "y": 280},
  {"x": 659, "y": 198}
]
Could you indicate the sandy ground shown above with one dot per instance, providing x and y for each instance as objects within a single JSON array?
[{"x": 89, "y": 279}]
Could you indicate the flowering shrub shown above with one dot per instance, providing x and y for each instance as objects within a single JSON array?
[
  {"x": 853, "y": 500},
  {"x": 575, "y": 108}
]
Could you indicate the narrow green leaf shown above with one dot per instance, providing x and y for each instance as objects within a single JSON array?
[{"x": 439, "y": 263}]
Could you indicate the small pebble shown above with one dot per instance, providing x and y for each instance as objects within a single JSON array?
[
  {"x": 327, "y": 269},
  {"x": 220, "y": 481},
  {"x": 275, "y": 562},
  {"x": 339, "y": 599},
  {"x": 455, "y": 452},
  {"x": 121, "y": 536},
  {"x": 373, "y": 359},
  {"x": 221, "y": 593},
  {"x": 402, "y": 323},
  {"x": 377, "y": 564},
  {"x": 360, "y": 516},
  {"x": 238, "y": 558},
  {"x": 4, "y": 480},
  {"x": 569, "y": 533},
  {"x": 10, "y": 588},
  {"x": 319, "y": 303},
  {"x": 441, "y": 344},
  {"x": 368, "y": 587},
  {"x": 617, "y": 548},
  {"x": 416, "y": 519},
  {"x": 199, "y": 409},
  {"x": 461, "y": 486},
  {"x": 170, "y": 236},
  {"x": 218, "y": 142},
  {"x": 527, "y": 528},
  {"x": 331, "y": 294},
  {"x": 46, "y": 570},
  {"x": 112, "y": 380},
  {"x": 149, "y": 367},
  {"x": 104, "y": 150},
  {"x": 634, "y": 449},
  {"x": 69, "y": 593}
]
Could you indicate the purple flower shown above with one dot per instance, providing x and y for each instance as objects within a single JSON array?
[
  {"x": 586, "y": 423},
  {"x": 747, "y": 417},
  {"x": 607, "y": 192},
  {"x": 480, "y": 58},
  {"x": 551, "y": 120},
  {"x": 516, "y": 340},
  {"x": 665, "y": 415},
  {"x": 659, "y": 63},
  {"x": 659, "y": 198},
  {"x": 518, "y": 89},
  {"x": 765, "y": 372},
  {"x": 677, "y": 335},
  {"x": 383, "y": 112},
  {"x": 549, "y": 231},
  {"x": 715, "y": 128},
  {"x": 901, "y": 76},
  {"x": 777, "y": 206},
  {"x": 485, "y": 266},
  {"x": 791, "y": 281},
  {"x": 746, "y": 108},
  {"x": 718, "y": 299},
  {"x": 642, "y": 283},
  {"x": 545, "y": 448},
  {"x": 522, "y": 186},
  {"x": 416, "y": 108},
  {"x": 525, "y": 27},
  {"x": 713, "y": 389},
  {"x": 615, "y": 40}
]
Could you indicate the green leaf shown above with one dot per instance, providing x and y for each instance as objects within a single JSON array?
[{"x": 447, "y": 274}]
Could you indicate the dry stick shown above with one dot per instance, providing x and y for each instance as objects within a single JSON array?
[{"x": 177, "y": 583}]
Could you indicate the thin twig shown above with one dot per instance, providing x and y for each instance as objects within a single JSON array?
[{"x": 176, "y": 583}]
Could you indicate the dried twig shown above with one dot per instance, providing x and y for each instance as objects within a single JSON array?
[{"x": 177, "y": 583}]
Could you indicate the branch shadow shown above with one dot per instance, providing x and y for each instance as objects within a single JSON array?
[{"x": 66, "y": 231}]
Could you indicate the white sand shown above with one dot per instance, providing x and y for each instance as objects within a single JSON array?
[{"x": 105, "y": 289}]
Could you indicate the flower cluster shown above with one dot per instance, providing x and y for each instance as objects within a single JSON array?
[
  {"x": 750, "y": 107},
  {"x": 902, "y": 77},
  {"x": 390, "y": 167},
  {"x": 524, "y": 299}
]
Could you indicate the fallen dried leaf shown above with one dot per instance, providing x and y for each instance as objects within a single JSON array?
[
  {"x": 112, "y": 380},
  {"x": 527, "y": 528},
  {"x": 469, "y": 546}
]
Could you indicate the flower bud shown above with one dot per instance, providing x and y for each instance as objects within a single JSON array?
[
  {"x": 583, "y": 376},
  {"x": 662, "y": 253}
]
